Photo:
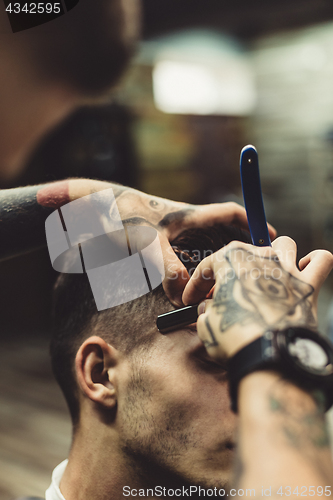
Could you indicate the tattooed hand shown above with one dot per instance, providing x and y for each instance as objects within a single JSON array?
[
  {"x": 256, "y": 288},
  {"x": 170, "y": 218},
  {"x": 23, "y": 212}
]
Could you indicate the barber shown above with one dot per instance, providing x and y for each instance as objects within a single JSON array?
[{"x": 262, "y": 325}]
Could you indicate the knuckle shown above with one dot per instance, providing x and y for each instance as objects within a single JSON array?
[
  {"x": 235, "y": 207},
  {"x": 285, "y": 239},
  {"x": 235, "y": 244},
  {"x": 323, "y": 254},
  {"x": 327, "y": 255}
]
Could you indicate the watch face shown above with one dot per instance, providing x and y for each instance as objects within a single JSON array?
[{"x": 308, "y": 353}]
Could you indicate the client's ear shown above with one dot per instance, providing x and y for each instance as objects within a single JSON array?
[{"x": 95, "y": 362}]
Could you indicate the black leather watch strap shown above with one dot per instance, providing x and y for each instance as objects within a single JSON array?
[{"x": 251, "y": 358}]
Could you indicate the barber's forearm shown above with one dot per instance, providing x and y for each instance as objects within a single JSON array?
[
  {"x": 283, "y": 437},
  {"x": 23, "y": 211}
]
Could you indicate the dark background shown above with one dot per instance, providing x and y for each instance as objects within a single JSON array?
[{"x": 246, "y": 19}]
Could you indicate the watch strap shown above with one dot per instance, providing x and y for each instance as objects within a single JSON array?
[
  {"x": 265, "y": 353},
  {"x": 253, "y": 357}
]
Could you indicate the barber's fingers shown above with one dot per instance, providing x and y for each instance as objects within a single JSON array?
[
  {"x": 316, "y": 266},
  {"x": 214, "y": 267},
  {"x": 229, "y": 213},
  {"x": 217, "y": 266},
  {"x": 272, "y": 231},
  {"x": 286, "y": 250},
  {"x": 201, "y": 282},
  {"x": 208, "y": 330},
  {"x": 214, "y": 213},
  {"x": 176, "y": 275}
]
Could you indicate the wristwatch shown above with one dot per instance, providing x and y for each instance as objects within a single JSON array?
[{"x": 299, "y": 354}]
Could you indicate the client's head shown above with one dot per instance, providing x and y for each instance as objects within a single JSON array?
[{"x": 156, "y": 402}]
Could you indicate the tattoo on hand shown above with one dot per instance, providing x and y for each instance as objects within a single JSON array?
[
  {"x": 267, "y": 295},
  {"x": 160, "y": 214},
  {"x": 212, "y": 342},
  {"x": 176, "y": 218}
]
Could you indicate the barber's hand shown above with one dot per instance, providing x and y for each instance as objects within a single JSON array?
[
  {"x": 256, "y": 289},
  {"x": 169, "y": 218}
]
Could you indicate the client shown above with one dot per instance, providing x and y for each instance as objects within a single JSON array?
[{"x": 149, "y": 410}]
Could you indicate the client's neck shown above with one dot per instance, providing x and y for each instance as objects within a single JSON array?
[{"x": 97, "y": 468}]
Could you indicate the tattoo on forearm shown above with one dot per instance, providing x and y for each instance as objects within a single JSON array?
[
  {"x": 250, "y": 290},
  {"x": 23, "y": 211},
  {"x": 52, "y": 195},
  {"x": 301, "y": 422},
  {"x": 22, "y": 220}
]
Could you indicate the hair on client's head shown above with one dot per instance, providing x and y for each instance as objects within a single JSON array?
[{"x": 129, "y": 327}]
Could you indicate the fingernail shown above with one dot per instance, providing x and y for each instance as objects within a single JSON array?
[{"x": 201, "y": 308}]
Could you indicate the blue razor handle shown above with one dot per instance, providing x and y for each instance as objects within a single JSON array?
[{"x": 249, "y": 171}]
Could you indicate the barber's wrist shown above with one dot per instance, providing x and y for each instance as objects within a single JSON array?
[
  {"x": 257, "y": 394},
  {"x": 299, "y": 354},
  {"x": 243, "y": 336},
  {"x": 253, "y": 391},
  {"x": 236, "y": 339}
]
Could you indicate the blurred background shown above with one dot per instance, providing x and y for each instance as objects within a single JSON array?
[{"x": 209, "y": 77}]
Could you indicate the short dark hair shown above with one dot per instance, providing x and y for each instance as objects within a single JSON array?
[
  {"x": 85, "y": 48},
  {"x": 125, "y": 326}
]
